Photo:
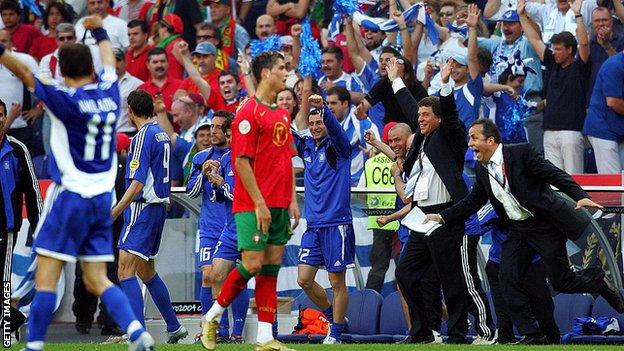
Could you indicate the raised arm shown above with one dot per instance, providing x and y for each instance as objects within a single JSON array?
[
  {"x": 473, "y": 21},
  {"x": 183, "y": 55},
  {"x": 301, "y": 120},
  {"x": 529, "y": 30},
  {"x": 491, "y": 8},
  {"x": 371, "y": 139},
  {"x": 581, "y": 31},
  {"x": 95, "y": 25},
  {"x": 353, "y": 47},
  {"x": 274, "y": 9},
  {"x": 295, "y": 32},
  {"x": 405, "y": 35},
  {"x": 334, "y": 129},
  {"x": 300, "y": 10},
  {"x": 163, "y": 121}
]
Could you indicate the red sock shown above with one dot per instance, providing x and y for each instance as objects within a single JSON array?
[
  {"x": 266, "y": 297},
  {"x": 232, "y": 287}
]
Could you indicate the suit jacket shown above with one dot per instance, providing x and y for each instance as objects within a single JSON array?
[
  {"x": 445, "y": 147},
  {"x": 529, "y": 176}
]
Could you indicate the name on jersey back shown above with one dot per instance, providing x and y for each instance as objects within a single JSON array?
[{"x": 97, "y": 106}]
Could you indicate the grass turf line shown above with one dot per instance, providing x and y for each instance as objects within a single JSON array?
[{"x": 317, "y": 347}]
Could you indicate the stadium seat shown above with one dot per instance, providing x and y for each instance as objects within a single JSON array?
[
  {"x": 363, "y": 313},
  {"x": 392, "y": 324},
  {"x": 601, "y": 309},
  {"x": 570, "y": 306}
]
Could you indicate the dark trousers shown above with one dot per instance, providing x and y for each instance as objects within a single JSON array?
[
  {"x": 536, "y": 287},
  {"x": 6, "y": 251},
  {"x": 380, "y": 256},
  {"x": 526, "y": 238},
  {"x": 85, "y": 303},
  {"x": 441, "y": 250},
  {"x": 478, "y": 303}
]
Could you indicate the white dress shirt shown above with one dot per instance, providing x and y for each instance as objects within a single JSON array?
[
  {"x": 551, "y": 20},
  {"x": 116, "y": 28},
  {"x": 12, "y": 88},
  {"x": 127, "y": 84},
  {"x": 500, "y": 187}
]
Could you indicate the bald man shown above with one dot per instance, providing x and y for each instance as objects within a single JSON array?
[{"x": 265, "y": 27}]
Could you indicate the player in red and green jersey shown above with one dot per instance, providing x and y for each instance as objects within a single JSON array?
[{"x": 264, "y": 200}]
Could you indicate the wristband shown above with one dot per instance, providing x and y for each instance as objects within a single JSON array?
[
  {"x": 2, "y": 48},
  {"x": 99, "y": 34},
  {"x": 404, "y": 28},
  {"x": 578, "y": 16}
]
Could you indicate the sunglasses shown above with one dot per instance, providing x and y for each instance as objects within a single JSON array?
[
  {"x": 205, "y": 37},
  {"x": 65, "y": 38}
]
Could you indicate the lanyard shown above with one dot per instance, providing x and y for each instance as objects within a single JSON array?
[{"x": 501, "y": 183}]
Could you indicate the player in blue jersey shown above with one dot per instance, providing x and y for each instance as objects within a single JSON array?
[
  {"x": 213, "y": 214},
  {"x": 76, "y": 223},
  {"x": 144, "y": 209},
  {"x": 226, "y": 252},
  {"x": 329, "y": 240}
]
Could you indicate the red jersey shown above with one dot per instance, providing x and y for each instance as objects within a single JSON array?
[
  {"x": 137, "y": 63},
  {"x": 262, "y": 133},
  {"x": 24, "y": 37},
  {"x": 42, "y": 46},
  {"x": 167, "y": 90}
]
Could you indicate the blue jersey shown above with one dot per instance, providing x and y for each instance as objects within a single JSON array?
[
  {"x": 212, "y": 216},
  {"x": 82, "y": 136},
  {"x": 468, "y": 100},
  {"x": 347, "y": 81},
  {"x": 225, "y": 195},
  {"x": 355, "y": 130},
  {"x": 327, "y": 175},
  {"x": 148, "y": 163}
]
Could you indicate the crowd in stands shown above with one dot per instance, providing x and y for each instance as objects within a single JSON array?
[{"x": 547, "y": 72}]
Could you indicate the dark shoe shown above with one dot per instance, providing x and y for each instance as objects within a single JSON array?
[
  {"x": 417, "y": 340},
  {"x": 532, "y": 340},
  {"x": 111, "y": 330},
  {"x": 505, "y": 341},
  {"x": 83, "y": 328},
  {"x": 613, "y": 297},
  {"x": 460, "y": 341},
  {"x": 222, "y": 339}
]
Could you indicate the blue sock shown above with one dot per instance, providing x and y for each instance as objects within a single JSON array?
[
  {"x": 130, "y": 287},
  {"x": 275, "y": 328},
  {"x": 239, "y": 312},
  {"x": 224, "y": 325},
  {"x": 118, "y": 307},
  {"x": 336, "y": 330},
  {"x": 160, "y": 295},
  {"x": 41, "y": 312},
  {"x": 206, "y": 299},
  {"x": 329, "y": 313}
]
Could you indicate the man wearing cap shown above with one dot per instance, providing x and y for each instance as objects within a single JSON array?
[
  {"x": 159, "y": 83},
  {"x": 234, "y": 36},
  {"x": 514, "y": 40},
  {"x": 204, "y": 57},
  {"x": 566, "y": 90},
  {"x": 116, "y": 28},
  {"x": 127, "y": 84},
  {"x": 170, "y": 33},
  {"x": 210, "y": 32}
]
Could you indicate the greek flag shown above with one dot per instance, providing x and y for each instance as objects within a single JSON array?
[{"x": 416, "y": 12}]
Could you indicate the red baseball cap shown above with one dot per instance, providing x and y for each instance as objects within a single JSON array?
[
  {"x": 174, "y": 21},
  {"x": 123, "y": 142},
  {"x": 386, "y": 130}
]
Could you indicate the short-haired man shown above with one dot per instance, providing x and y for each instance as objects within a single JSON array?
[
  {"x": 144, "y": 209},
  {"x": 606, "y": 40},
  {"x": 79, "y": 202},
  {"x": 331, "y": 65},
  {"x": 116, "y": 27},
  {"x": 136, "y": 56},
  {"x": 23, "y": 35},
  {"x": 265, "y": 27},
  {"x": 566, "y": 90},
  {"x": 159, "y": 82},
  {"x": 229, "y": 94},
  {"x": 517, "y": 182},
  {"x": 264, "y": 185},
  {"x": 339, "y": 102},
  {"x": 329, "y": 240},
  {"x": 127, "y": 84}
]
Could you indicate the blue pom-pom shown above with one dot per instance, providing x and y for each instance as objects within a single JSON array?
[
  {"x": 271, "y": 43},
  {"x": 513, "y": 128},
  {"x": 345, "y": 7},
  {"x": 310, "y": 58}
]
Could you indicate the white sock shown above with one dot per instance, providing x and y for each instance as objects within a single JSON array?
[
  {"x": 215, "y": 312},
  {"x": 265, "y": 332}
]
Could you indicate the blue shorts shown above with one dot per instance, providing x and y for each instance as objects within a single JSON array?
[
  {"x": 206, "y": 250},
  {"x": 143, "y": 226},
  {"x": 331, "y": 247},
  {"x": 72, "y": 227},
  {"x": 227, "y": 248}
]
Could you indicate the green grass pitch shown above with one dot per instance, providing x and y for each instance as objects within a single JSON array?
[{"x": 317, "y": 347}]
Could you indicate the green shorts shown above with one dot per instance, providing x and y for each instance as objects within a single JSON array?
[{"x": 251, "y": 238}]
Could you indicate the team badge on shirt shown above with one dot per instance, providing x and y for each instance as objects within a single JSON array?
[
  {"x": 280, "y": 134},
  {"x": 244, "y": 127},
  {"x": 134, "y": 165}
]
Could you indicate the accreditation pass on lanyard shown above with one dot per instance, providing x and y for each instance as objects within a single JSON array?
[
  {"x": 504, "y": 181},
  {"x": 421, "y": 191}
]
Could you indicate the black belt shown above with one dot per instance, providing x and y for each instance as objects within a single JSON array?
[{"x": 433, "y": 208}]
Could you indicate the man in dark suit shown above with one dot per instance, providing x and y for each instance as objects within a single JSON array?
[
  {"x": 517, "y": 180},
  {"x": 433, "y": 167}
]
